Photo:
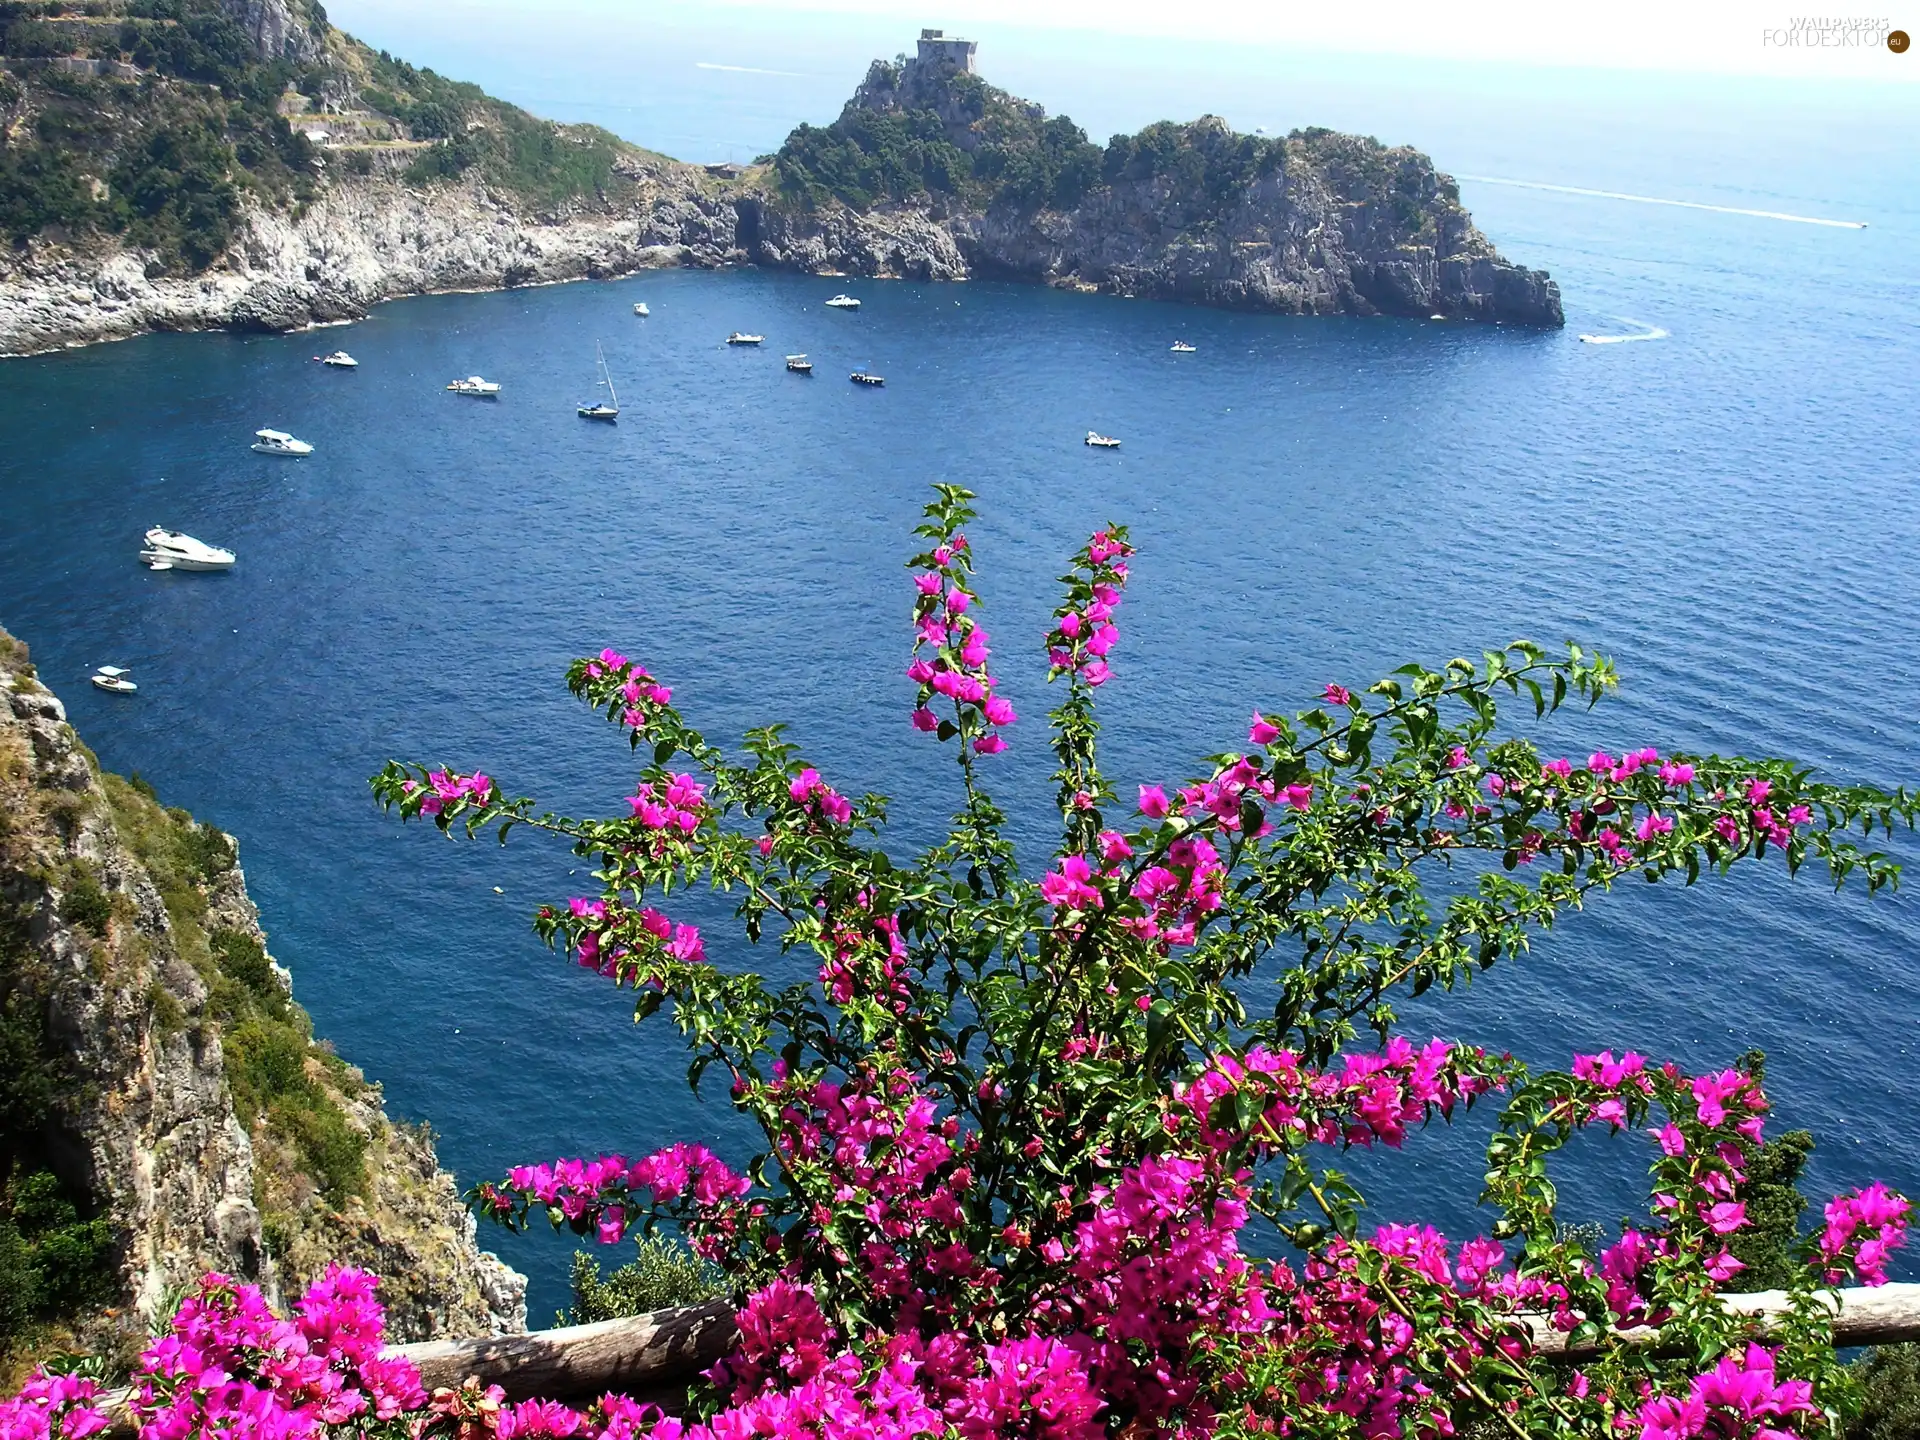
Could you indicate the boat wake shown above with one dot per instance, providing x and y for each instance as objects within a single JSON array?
[{"x": 1647, "y": 332}]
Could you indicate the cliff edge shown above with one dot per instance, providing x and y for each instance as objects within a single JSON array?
[{"x": 164, "y": 1107}]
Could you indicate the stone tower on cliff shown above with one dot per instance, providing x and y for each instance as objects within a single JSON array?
[{"x": 940, "y": 51}]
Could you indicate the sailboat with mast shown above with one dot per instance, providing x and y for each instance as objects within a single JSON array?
[{"x": 609, "y": 408}]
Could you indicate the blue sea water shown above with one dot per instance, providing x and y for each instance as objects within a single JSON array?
[{"x": 1729, "y": 510}]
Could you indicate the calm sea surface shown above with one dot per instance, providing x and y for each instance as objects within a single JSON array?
[{"x": 1729, "y": 510}]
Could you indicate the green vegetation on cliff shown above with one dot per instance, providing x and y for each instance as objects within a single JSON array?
[
  {"x": 181, "y": 124},
  {"x": 279, "y": 1079},
  {"x": 911, "y": 135},
  {"x": 57, "y": 1252}
]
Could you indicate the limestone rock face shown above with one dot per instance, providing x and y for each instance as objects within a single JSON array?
[
  {"x": 361, "y": 242},
  {"x": 148, "y": 1125},
  {"x": 276, "y": 30}
]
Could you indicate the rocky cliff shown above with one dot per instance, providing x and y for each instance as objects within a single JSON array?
[
  {"x": 927, "y": 174},
  {"x": 932, "y": 173},
  {"x": 162, "y": 1087},
  {"x": 361, "y": 242}
]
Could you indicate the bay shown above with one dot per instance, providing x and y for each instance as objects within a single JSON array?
[{"x": 1729, "y": 510}]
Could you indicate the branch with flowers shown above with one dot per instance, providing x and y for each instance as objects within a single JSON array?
[{"x": 1013, "y": 1132}]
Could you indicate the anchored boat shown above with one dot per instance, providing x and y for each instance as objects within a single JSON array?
[
  {"x": 799, "y": 365},
  {"x": 608, "y": 409},
  {"x": 1102, "y": 442},
  {"x": 843, "y": 302},
  {"x": 113, "y": 680},
  {"x": 278, "y": 442},
  {"x": 863, "y": 377},
  {"x": 641, "y": 310},
  {"x": 739, "y": 338},
  {"x": 171, "y": 550},
  {"x": 480, "y": 389},
  {"x": 1181, "y": 347},
  {"x": 339, "y": 360}
]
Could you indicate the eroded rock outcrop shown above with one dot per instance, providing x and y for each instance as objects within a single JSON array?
[{"x": 187, "y": 1102}]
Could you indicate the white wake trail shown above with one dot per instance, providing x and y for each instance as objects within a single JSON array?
[
  {"x": 1647, "y": 332},
  {"x": 1658, "y": 200}
]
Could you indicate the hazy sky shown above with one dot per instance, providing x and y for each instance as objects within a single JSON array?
[{"x": 1761, "y": 37}]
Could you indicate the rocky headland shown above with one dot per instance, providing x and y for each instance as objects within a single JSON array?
[
  {"x": 929, "y": 173},
  {"x": 165, "y": 1109}
]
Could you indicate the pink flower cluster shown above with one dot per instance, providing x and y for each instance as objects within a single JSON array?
[
  {"x": 1353, "y": 1353},
  {"x": 1083, "y": 631},
  {"x": 674, "y": 806},
  {"x": 955, "y": 665},
  {"x": 604, "y": 937},
  {"x": 1739, "y": 1399},
  {"x": 444, "y": 788},
  {"x": 53, "y": 1407},
  {"x": 230, "y": 1364},
  {"x": 1862, "y": 1231},
  {"x": 819, "y": 799},
  {"x": 603, "y": 1193},
  {"x": 639, "y": 696},
  {"x": 869, "y": 958},
  {"x": 1371, "y": 1098}
]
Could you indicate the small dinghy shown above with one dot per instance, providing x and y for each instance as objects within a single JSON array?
[
  {"x": 171, "y": 550},
  {"x": 799, "y": 365},
  {"x": 863, "y": 377},
  {"x": 1181, "y": 347},
  {"x": 278, "y": 442},
  {"x": 339, "y": 360},
  {"x": 113, "y": 680},
  {"x": 480, "y": 389},
  {"x": 641, "y": 310},
  {"x": 843, "y": 302},
  {"x": 1102, "y": 442},
  {"x": 741, "y": 338}
]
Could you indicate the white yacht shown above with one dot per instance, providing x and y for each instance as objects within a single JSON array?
[
  {"x": 843, "y": 302},
  {"x": 171, "y": 550},
  {"x": 741, "y": 338},
  {"x": 641, "y": 310},
  {"x": 339, "y": 360},
  {"x": 799, "y": 364},
  {"x": 475, "y": 386},
  {"x": 1181, "y": 347},
  {"x": 609, "y": 408},
  {"x": 1102, "y": 442},
  {"x": 278, "y": 442},
  {"x": 113, "y": 679}
]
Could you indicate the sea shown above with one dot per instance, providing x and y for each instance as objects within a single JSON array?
[{"x": 1722, "y": 497}]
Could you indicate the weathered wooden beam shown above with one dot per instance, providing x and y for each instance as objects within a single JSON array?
[
  {"x": 1881, "y": 1316},
  {"x": 664, "y": 1350}
]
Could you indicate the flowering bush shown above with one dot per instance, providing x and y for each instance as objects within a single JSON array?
[{"x": 1014, "y": 1136}]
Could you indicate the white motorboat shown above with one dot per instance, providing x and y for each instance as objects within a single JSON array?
[
  {"x": 113, "y": 679},
  {"x": 641, "y": 310},
  {"x": 1181, "y": 347},
  {"x": 1102, "y": 442},
  {"x": 843, "y": 302},
  {"x": 278, "y": 442},
  {"x": 867, "y": 377},
  {"x": 339, "y": 360},
  {"x": 739, "y": 338},
  {"x": 480, "y": 389},
  {"x": 799, "y": 365},
  {"x": 608, "y": 409},
  {"x": 171, "y": 550}
]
